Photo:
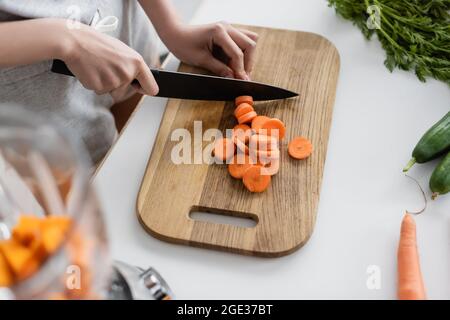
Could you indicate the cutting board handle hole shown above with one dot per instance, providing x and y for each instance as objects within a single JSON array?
[{"x": 242, "y": 220}]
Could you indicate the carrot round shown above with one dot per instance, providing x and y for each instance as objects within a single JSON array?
[
  {"x": 264, "y": 156},
  {"x": 254, "y": 181},
  {"x": 258, "y": 121},
  {"x": 242, "y": 109},
  {"x": 269, "y": 154},
  {"x": 274, "y": 127},
  {"x": 238, "y": 166},
  {"x": 262, "y": 142},
  {"x": 247, "y": 117},
  {"x": 271, "y": 168},
  {"x": 410, "y": 282},
  {"x": 241, "y": 146},
  {"x": 6, "y": 275},
  {"x": 223, "y": 149},
  {"x": 243, "y": 99},
  {"x": 300, "y": 148},
  {"x": 242, "y": 132}
]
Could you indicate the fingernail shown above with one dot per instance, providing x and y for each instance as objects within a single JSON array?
[
  {"x": 228, "y": 74},
  {"x": 244, "y": 76},
  {"x": 155, "y": 90}
]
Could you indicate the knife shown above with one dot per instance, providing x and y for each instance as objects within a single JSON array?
[{"x": 181, "y": 85}]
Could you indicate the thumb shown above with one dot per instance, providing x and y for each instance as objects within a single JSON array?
[{"x": 217, "y": 67}]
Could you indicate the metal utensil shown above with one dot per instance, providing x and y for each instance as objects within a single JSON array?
[{"x": 191, "y": 86}]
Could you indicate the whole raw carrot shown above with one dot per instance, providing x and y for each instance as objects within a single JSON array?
[{"x": 410, "y": 282}]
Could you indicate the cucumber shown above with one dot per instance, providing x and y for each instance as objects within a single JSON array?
[
  {"x": 435, "y": 142},
  {"x": 440, "y": 179}
]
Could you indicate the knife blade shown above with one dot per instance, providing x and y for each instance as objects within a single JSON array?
[{"x": 181, "y": 85}]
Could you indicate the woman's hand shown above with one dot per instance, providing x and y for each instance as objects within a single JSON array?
[
  {"x": 194, "y": 45},
  {"x": 105, "y": 64}
]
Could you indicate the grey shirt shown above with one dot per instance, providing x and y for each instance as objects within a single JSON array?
[
  {"x": 11, "y": 10},
  {"x": 36, "y": 88}
]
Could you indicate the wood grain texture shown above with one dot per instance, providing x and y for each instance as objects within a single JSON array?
[{"x": 285, "y": 213}]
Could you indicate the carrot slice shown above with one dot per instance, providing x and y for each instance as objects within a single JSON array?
[
  {"x": 19, "y": 258},
  {"x": 269, "y": 154},
  {"x": 271, "y": 168},
  {"x": 242, "y": 132},
  {"x": 61, "y": 222},
  {"x": 254, "y": 181},
  {"x": 262, "y": 142},
  {"x": 241, "y": 146},
  {"x": 410, "y": 282},
  {"x": 6, "y": 276},
  {"x": 264, "y": 157},
  {"x": 238, "y": 166},
  {"x": 27, "y": 230},
  {"x": 247, "y": 117},
  {"x": 223, "y": 149},
  {"x": 243, "y": 99},
  {"x": 52, "y": 238},
  {"x": 300, "y": 148},
  {"x": 243, "y": 109},
  {"x": 274, "y": 127},
  {"x": 258, "y": 122}
]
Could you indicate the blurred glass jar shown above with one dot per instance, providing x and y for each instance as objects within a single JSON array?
[{"x": 44, "y": 172}]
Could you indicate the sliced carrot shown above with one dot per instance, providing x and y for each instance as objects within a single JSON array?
[
  {"x": 410, "y": 281},
  {"x": 241, "y": 146},
  {"x": 262, "y": 142},
  {"x": 258, "y": 122},
  {"x": 269, "y": 154},
  {"x": 274, "y": 127},
  {"x": 19, "y": 258},
  {"x": 271, "y": 168},
  {"x": 300, "y": 148},
  {"x": 33, "y": 239},
  {"x": 242, "y": 132},
  {"x": 243, "y": 109},
  {"x": 254, "y": 181},
  {"x": 29, "y": 269},
  {"x": 54, "y": 229},
  {"x": 223, "y": 149},
  {"x": 52, "y": 238},
  {"x": 243, "y": 99},
  {"x": 264, "y": 157},
  {"x": 61, "y": 222},
  {"x": 247, "y": 117},
  {"x": 243, "y": 127},
  {"x": 6, "y": 276},
  {"x": 27, "y": 230},
  {"x": 238, "y": 166}
]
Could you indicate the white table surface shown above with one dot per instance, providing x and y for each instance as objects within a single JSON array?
[{"x": 378, "y": 118}]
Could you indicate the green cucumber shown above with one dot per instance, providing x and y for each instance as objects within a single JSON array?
[
  {"x": 435, "y": 142},
  {"x": 440, "y": 179}
]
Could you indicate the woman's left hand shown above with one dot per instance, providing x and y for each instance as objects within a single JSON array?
[{"x": 194, "y": 45}]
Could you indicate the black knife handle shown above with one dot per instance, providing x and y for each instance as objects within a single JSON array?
[{"x": 60, "y": 67}]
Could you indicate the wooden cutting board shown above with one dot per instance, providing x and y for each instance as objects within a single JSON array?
[{"x": 286, "y": 212}]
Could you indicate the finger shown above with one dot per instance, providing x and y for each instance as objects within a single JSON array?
[
  {"x": 146, "y": 80},
  {"x": 232, "y": 50},
  {"x": 217, "y": 67},
  {"x": 247, "y": 45},
  {"x": 137, "y": 87},
  {"x": 252, "y": 35},
  {"x": 122, "y": 93}
]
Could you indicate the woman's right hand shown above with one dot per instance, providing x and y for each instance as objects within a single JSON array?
[{"x": 105, "y": 64}]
